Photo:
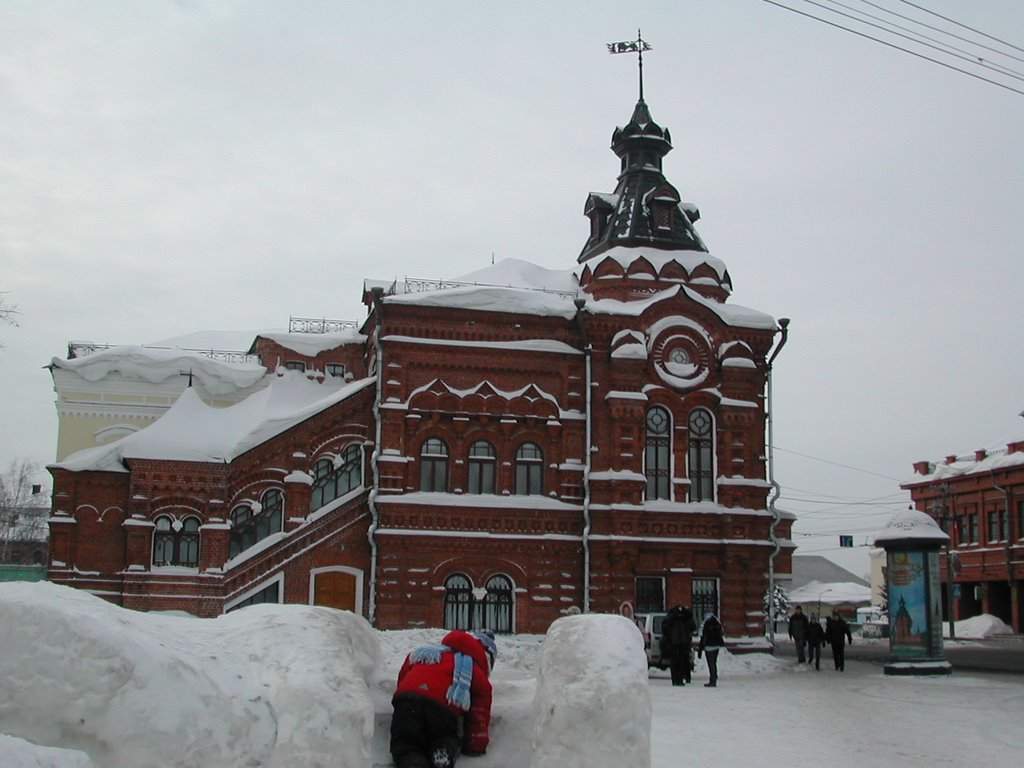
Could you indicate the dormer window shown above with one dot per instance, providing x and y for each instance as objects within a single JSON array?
[{"x": 662, "y": 214}]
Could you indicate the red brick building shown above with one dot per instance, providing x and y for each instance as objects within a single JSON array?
[
  {"x": 495, "y": 450},
  {"x": 978, "y": 500}
]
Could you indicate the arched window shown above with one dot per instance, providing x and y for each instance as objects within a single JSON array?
[
  {"x": 249, "y": 526},
  {"x": 466, "y": 608},
  {"x": 434, "y": 466},
  {"x": 332, "y": 479},
  {"x": 176, "y": 542},
  {"x": 529, "y": 470},
  {"x": 702, "y": 456},
  {"x": 498, "y": 605},
  {"x": 657, "y": 454},
  {"x": 482, "y": 460},
  {"x": 458, "y": 602}
]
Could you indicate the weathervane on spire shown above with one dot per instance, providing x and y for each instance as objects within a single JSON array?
[{"x": 638, "y": 47}]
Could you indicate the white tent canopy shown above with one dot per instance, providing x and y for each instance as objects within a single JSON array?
[{"x": 834, "y": 593}]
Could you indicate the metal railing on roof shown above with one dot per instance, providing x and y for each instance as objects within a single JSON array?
[
  {"x": 85, "y": 348},
  {"x": 422, "y": 285},
  {"x": 319, "y": 325}
]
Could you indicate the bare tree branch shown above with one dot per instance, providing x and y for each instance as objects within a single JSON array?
[{"x": 24, "y": 506}]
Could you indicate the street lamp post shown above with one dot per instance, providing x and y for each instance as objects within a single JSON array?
[
  {"x": 819, "y": 600},
  {"x": 942, "y": 511}
]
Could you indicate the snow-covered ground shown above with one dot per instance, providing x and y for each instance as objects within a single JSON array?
[{"x": 84, "y": 683}]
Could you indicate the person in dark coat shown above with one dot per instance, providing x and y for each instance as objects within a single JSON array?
[
  {"x": 676, "y": 643},
  {"x": 712, "y": 640},
  {"x": 439, "y": 686},
  {"x": 837, "y": 632},
  {"x": 798, "y": 633},
  {"x": 815, "y": 639}
]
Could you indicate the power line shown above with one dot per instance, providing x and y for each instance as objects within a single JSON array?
[
  {"x": 893, "y": 496},
  {"x": 954, "y": 21},
  {"x": 790, "y": 499},
  {"x": 836, "y": 463},
  {"x": 919, "y": 39},
  {"x": 897, "y": 47},
  {"x": 945, "y": 31}
]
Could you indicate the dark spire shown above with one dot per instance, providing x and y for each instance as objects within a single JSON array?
[{"x": 644, "y": 209}]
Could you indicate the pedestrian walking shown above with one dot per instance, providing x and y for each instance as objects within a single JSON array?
[
  {"x": 837, "y": 632},
  {"x": 798, "y": 633},
  {"x": 712, "y": 640},
  {"x": 439, "y": 686},
  {"x": 676, "y": 643},
  {"x": 815, "y": 639}
]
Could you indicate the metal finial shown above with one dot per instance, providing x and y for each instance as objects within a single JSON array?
[{"x": 638, "y": 47}]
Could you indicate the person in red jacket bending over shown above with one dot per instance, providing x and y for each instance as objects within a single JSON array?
[{"x": 438, "y": 686}]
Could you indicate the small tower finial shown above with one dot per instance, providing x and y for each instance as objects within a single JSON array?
[{"x": 638, "y": 47}]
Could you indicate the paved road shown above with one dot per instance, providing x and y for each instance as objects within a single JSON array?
[{"x": 990, "y": 655}]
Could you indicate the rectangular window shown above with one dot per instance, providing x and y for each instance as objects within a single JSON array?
[
  {"x": 705, "y": 598},
  {"x": 336, "y": 370},
  {"x": 1020, "y": 519},
  {"x": 269, "y": 594},
  {"x": 295, "y": 365},
  {"x": 971, "y": 532},
  {"x": 481, "y": 476},
  {"x": 650, "y": 594},
  {"x": 997, "y": 526}
]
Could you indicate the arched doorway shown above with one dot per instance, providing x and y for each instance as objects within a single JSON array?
[{"x": 336, "y": 587}]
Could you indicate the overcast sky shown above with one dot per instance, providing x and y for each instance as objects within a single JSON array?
[{"x": 170, "y": 167}]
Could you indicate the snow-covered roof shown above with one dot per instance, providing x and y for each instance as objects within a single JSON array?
[
  {"x": 517, "y": 286},
  {"x": 911, "y": 525},
  {"x": 156, "y": 365},
  {"x": 658, "y": 257},
  {"x": 731, "y": 314},
  {"x": 191, "y": 430},
  {"x": 312, "y": 344},
  {"x": 960, "y": 468},
  {"x": 491, "y": 299},
  {"x": 210, "y": 340},
  {"x": 516, "y": 273}
]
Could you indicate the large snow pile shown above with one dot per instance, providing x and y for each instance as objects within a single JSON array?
[
  {"x": 281, "y": 685},
  {"x": 191, "y": 430},
  {"x": 84, "y": 684},
  {"x": 979, "y": 627},
  {"x": 592, "y": 708}
]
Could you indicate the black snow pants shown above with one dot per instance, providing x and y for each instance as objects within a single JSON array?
[
  {"x": 424, "y": 734},
  {"x": 839, "y": 655}
]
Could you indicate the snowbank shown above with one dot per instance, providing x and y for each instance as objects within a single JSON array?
[
  {"x": 979, "y": 627},
  {"x": 275, "y": 685},
  {"x": 593, "y": 705},
  {"x": 19, "y": 753}
]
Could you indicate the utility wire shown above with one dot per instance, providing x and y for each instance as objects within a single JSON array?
[
  {"x": 917, "y": 39},
  {"x": 836, "y": 463},
  {"x": 840, "y": 503},
  {"x": 946, "y": 31},
  {"x": 897, "y": 47},
  {"x": 829, "y": 496},
  {"x": 954, "y": 21}
]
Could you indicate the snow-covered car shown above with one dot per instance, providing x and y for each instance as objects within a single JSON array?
[{"x": 650, "y": 627}]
